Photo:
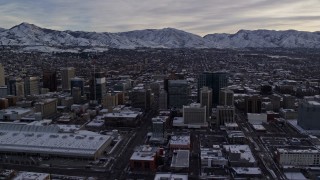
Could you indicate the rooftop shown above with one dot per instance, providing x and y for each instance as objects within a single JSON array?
[{"x": 180, "y": 159}]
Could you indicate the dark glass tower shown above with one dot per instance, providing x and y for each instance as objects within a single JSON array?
[
  {"x": 49, "y": 80},
  {"x": 215, "y": 81}
]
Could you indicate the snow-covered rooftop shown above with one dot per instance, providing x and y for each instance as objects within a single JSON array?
[
  {"x": 180, "y": 140},
  {"x": 180, "y": 159},
  {"x": 243, "y": 150},
  {"x": 52, "y": 143}
]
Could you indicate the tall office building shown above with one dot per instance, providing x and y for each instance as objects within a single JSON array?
[
  {"x": 253, "y": 104},
  {"x": 77, "y": 82},
  {"x": 2, "y": 79},
  {"x": 158, "y": 127},
  {"x": 288, "y": 101},
  {"x": 31, "y": 86},
  {"x": 308, "y": 115},
  {"x": 97, "y": 87},
  {"x": 206, "y": 99},
  {"x": 225, "y": 114},
  {"x": 140, "y": 98},
  {"x": 66, "y": 75},
  {"x": 163, "y": 99},
  {"x": 226, "y": 97},
  {"x": 49, "y": 80},
  {"x": 178, "y": 92},
  {"x": 215, "y": 81},
  {"x": 16, "y": 87}
]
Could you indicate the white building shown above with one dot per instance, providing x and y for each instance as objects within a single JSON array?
[{"x": 299, "y": 157}]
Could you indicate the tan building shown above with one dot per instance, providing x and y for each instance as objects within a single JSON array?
[
  {"x": 206, "y": 100},
  {"x": 66, "y": 75},
  {"x": 31, "y": 85},
  {"x": 47, "y": 107},
  {"x": 110, "y": 101},
  {"x": 225, "y": 114},
  {"x": 226, "y": 97}
]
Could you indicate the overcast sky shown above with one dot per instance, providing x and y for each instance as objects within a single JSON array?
[{"x": 196, "y": 16}]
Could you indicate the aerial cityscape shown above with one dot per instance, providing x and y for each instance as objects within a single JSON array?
[{"x": 159, "y": 103}]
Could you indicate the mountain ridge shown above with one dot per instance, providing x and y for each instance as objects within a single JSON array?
[{"x": 26, "y": 34}]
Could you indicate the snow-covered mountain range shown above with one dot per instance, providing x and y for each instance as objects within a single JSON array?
[{"x": 29, "y": 35}]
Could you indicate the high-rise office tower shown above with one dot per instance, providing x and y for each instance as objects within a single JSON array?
[
  {"x": 2, "y": 79},
  {"x": 77, "y": 82},
  {"x": 97, "y": 87},
  {"x": 206, "y": 99},
  {"x": 66, "y": 75},
  {"x": 215, "y": 81},
  {"x": 49, "y": 80},
  {"x": 226, "y": 97},
  {"x": 225, "y": 114},
  {"x": 308, "y": 114},
  {"x": 163, "y": 99},
  {"x": 16, "y": 87},
  {"x": 253, "y": 104},
  {"x": 178, "y": 91},
  {"x": 31, "y": 85}
]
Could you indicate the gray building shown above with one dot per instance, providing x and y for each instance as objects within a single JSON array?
[{"x": 309, "y": 115}]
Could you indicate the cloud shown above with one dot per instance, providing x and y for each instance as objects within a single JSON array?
[{"x": 200, "y": 17}]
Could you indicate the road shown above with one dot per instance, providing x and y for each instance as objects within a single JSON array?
[
  {"x": 121, "y": 164},
  {"x": 264, "y": 156}
]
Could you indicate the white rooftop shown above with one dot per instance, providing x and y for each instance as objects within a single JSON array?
[
  {"x": 180, "y": 159},
  {"x": 31, "y": 176},
  {"x": 247, "y": 170},
  {"x": 180, "y": 140},
  {"x": 169, "y": 176},
  {"x": 244, "y": 150},
  {"x": 52, "y": 143},
  {"x": 144, "y": 153}
]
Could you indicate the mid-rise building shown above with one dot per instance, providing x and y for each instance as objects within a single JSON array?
[
  {"x": 144, "y": 158},
  {"x": 47, "y": 107},
  {"x": 298, "y": 157},
  {"x": 194, "y": 114}
]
